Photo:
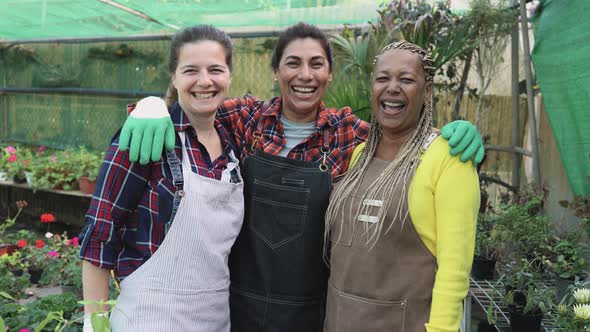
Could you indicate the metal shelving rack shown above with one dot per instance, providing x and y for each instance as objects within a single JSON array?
[{"x": 484, "y": 293}]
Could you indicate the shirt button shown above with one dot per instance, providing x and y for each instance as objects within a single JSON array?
[{"x": 180, "y": 193}]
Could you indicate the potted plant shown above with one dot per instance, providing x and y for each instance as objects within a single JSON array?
[
  {"x": 14, "y": 262},
  {"x": 88, "y": 165},
  {"x": 5, "y": 158},
  {"x": 19, "y": 165},
  {"x": 55, "y": 171},
  {"x": 487, "y": 250},
  {"x": 569, "y": 260},
  {"x": 525, "y": 295},
  {"x": 5, "y": 246}
]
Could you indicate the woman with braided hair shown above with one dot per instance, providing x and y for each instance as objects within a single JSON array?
[{"x": 401, "y": 248}]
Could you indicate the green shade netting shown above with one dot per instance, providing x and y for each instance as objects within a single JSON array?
[
  {"x": 561, "y": 58},
  {"x": 38, "y": 19},
  {"x": 48, "y": 19}
]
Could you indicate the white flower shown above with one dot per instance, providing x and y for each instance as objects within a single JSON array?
[
  {"x": 49, "y": 235},
  {"x": 582, "y": 295},
  {"x": 582, "y": 311}
]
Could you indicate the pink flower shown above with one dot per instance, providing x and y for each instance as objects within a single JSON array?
[
  {"x": 73, "y": 242},
  {"x": 52, "y": 254},
  {"x": 12, "y": 158},
  {"x": 10, "y": 149},
  {"x": 24, "y": 330},
  {"x": 42, "y": 148},
  {"x": 26, "y": 162},
  {"x": 53, "y": 159}
]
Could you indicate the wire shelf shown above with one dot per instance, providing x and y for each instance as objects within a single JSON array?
[{"x": 485, "y": 294}]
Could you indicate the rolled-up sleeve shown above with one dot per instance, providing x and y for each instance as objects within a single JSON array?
[{"x": 119, "y": 187}]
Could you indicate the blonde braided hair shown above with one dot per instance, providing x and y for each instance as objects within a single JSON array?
[{"x": 397, "y": 173}]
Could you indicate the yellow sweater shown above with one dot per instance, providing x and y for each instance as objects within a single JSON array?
[{"x": 443, "y": 199}]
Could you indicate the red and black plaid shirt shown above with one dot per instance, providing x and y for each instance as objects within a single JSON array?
[{"x": 345, "y": 130}]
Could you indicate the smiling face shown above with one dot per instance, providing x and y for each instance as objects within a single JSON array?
[
  {"x": 398, "y": 91},
  {"x": 303, "y": 75},
  {"x": 202, "y": 77}
]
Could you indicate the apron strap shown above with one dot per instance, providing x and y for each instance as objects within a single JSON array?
[
  {"x": 430, "y": 139},
  {"x": 177, "y": 180},
  {"x": 325, "y": 149}
]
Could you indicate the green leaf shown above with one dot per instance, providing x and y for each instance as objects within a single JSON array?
[
  {"x": 6, "y": 295},
  {"x": 2, "y": 325},
  {"x": 100, "y": 323}
]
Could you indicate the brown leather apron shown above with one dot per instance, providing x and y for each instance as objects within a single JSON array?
[{"x": 378, "y": 286}]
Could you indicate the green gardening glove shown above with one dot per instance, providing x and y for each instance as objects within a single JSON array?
[
  {"x": 464, "y": 138},
  {"x": 149, "y": 127}
]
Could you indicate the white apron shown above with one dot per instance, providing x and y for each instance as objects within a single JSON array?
[{"x": 184, "y": 285}]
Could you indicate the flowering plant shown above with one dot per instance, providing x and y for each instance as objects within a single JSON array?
[
  {"x": 8, "y": 222},
  {"x": 19, "y": 161},
  {"x": 573, "y": 313},
  {"x": 7, "y": 156},
  {"x": 55, "y": 171}
]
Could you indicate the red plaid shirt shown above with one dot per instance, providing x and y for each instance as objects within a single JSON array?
[{"x": 345, "y": 130}]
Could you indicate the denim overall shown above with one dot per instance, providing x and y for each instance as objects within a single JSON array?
[{"x": 278, "y": 275}]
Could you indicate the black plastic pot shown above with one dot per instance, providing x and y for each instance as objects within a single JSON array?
[
  {"x": 35, "y": 275},
  {"x": 483, "y": 326},
  {"x": 530, "y": 322},
  {"x": 19, "y": 179},
  {"x": 17, "y": 272},
  {"x": 483, "y": 269},
  {"x": 561, "y": 285}
]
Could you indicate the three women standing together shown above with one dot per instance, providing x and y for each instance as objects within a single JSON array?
[{"x": 291, "y": 149}]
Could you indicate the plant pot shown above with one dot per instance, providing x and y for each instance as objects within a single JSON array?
[
  {"x": 483, "y": 269},
  {"x": 86, "y": 186},
  {"x": 20, "y": 179},
  {"x": 3, "y": 176},
  {"x": 29, "y": 178},
  {"x": 17, "y": 272},
  {"x": 530, "y": 322},
  {"x": 561, "y": 286},
  {"x": 8, "y": 248},
  {"x": 483, "y": 326},
  {"x": 35, "y": 275}
]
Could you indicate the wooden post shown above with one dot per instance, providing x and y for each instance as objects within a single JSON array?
[{"x": 529, "y": 94}]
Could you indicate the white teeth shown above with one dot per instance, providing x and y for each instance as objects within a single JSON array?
[
  {"x": 393, "y": 104},
  {"x": 203, "y": 95},
  {"x": 303, "y": 90}
]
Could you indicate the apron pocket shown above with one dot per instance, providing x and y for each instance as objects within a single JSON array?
[
  {"x": 351, "y": 313},
  {"x": 277, "y": 212}
]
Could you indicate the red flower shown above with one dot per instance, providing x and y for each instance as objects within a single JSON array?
[
  {"x": 26, "y": 162},
  {"x": 12, "y": 158},
  {"x": 21, "y": 243},
  {"x": 75, "y": 241},
  {"x": 47, "y": 218},
  {"x": 39, "y": 244}
]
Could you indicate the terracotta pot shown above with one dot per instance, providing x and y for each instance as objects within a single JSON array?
[
  {"x": 7, "y": 249},
  {"x": 86, "y": 186}
]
